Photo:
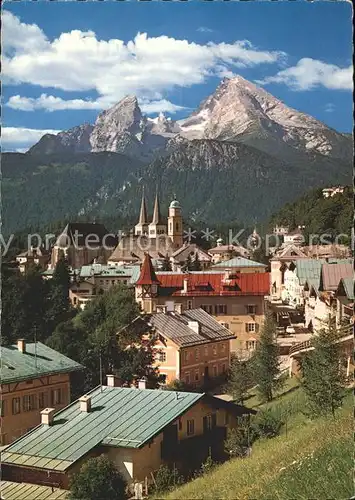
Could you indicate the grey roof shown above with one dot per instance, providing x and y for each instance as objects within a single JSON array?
[
  {"x": 238, "y": 262},
  {"x": 332, "y": 273},
  {"x": 107, "y": 270},
  {"x": 175, "y": 327},
  {"x": 229, "y": 248},
  {"x": 38, "y": 360},
  {"x": 182, "y": 253},
  {"x": 132, "y": 248},
  {"x": 119, "y": 417}
]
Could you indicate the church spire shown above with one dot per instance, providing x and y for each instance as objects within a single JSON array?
[
  {"x": 156, "y": 214},
  {"x": 143, "y": 218}
]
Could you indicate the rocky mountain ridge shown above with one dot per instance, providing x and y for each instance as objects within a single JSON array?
[{"x": 238, "y": 111}]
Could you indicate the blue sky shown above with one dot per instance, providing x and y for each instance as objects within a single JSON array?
[{"x": 64, "y": 62}]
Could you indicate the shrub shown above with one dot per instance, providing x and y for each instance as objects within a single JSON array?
[
  {"x": 98, "y": 478},
  {"x": 240, "y": 439},
  {"x": 267, "y": 424},
  {"x": 167, "y": 479}
]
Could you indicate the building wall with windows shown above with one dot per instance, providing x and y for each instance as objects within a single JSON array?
[
  {"x": 21, "y": 403},
  {"x": 192, "y": 364},
  {"x": 242, "y": 315}
]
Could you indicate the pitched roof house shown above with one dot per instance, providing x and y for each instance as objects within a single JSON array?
[
  {"x": 191, "y": 346},
  {"x": 180, "y": 256},
  {"x": 236, "y": 299},
  {"x": 138, "y": 429},
  {"x": 332, "y": 273},
  {"x": 32, "y": 376}
]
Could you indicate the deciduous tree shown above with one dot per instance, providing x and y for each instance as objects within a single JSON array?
[{"x": 98, "y": 479}]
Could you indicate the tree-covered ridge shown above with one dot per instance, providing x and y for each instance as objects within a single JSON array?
[
  {"x": 214, "y": 181},
  {"x": 319, "y": 215}
]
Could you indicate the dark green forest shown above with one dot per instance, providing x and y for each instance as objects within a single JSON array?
[
  {"x": 214, "y": 182},
  {"x": 319, "y": 215}
]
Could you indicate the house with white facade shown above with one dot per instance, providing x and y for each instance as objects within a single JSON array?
[{"x": 320, "y": 297}]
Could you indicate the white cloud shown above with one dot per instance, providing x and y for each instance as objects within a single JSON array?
[
  {"x": 145, "y": 66},
  {"x": 311, "y": 73},
  {"x": 21, "y": 37},
  {"x": 329, "y": 107},
  {"x": 161, "y": 106},
  {"x": 52, "y": 103},
  {"x": 17, "y": 139},
  {"x": 204, "y": 29}
]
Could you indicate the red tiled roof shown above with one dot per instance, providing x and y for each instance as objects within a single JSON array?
[
  {"x": 206, "y": 284},
  {"x": 147, "y": 275}
]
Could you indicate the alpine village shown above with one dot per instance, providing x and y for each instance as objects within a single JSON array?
[{"x": 146, "y": 355}]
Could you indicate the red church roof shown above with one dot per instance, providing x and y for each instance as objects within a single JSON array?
[
  {"x": 147, "y": 275},
  {"x": 213, "y": 284}
]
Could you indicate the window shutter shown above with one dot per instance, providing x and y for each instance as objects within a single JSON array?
[
  {"x": 246, "y": 327},
  {"x": 257, "y": 327}
]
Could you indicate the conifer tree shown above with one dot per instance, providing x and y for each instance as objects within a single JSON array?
[
  {"x": 196, "y": 264},
  {"x": 240, "y": 379},
  {"x": 166, "y": 264},
  {"x": 188, "y": 264},
  {"x": 322, "y": 374},
  {"x": 60, "y": 308},
  {"x": 267, "y": 365}
]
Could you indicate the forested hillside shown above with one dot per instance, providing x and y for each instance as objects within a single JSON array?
[
  {"x": 333, "y": 215},
  {"x": 214, "y": 181}
]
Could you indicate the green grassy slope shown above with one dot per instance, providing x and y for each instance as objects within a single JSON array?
[{"x": 310, "y": 459}]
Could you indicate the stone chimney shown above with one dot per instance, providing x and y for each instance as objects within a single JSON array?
[
  {"x": 194, "y": 325},
  {"x": 142, "y": 383},
  {"x": 85, "y": 403},
  {"x": 113, "y": 381},
  {"x": 21, "y": 345},
  {"x": 185, "y": 288},
  {"x": 47, "y": 416}
]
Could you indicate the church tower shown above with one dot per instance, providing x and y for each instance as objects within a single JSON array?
[
  {"x": 142, "y": 226},
  {"x": 175, "y": 229},
  {"x": 156, "y": 227}
]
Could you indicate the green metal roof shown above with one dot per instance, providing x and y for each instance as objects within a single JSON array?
[
  {"x": 38, "y": 360},
  {"x": 175, "y": 204},
  {"x": 119, "y": 417},
  {"x": 309, "y": 269},
  {"x": 135, "y": 275},
  {"x": 239, "y": 262},
  {"x": 348, "y": 284},
  {"x": 18, "y": 491}
]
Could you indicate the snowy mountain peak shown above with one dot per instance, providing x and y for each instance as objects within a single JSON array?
[
  {"x": 238, "y": 111},
  {"x": 241, "y": 111}
]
